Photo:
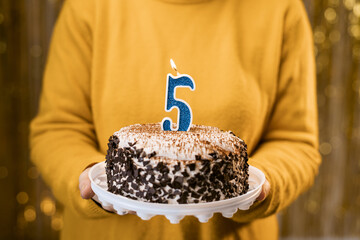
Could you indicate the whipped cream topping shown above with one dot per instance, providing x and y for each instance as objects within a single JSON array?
[{"x": 179, "y": 145}]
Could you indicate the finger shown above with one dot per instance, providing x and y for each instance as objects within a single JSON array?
[
  {"x": 85, "y": 185},
  {"x": 264, "y": 191},
  {"x": 84, "y": 175},
  {"x": 87, "y": 192}
]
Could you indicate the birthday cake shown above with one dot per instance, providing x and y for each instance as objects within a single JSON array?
[{"x": 203, "y": 164}]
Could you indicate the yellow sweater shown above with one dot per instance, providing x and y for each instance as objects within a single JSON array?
[{"x": 253, "y": 65}]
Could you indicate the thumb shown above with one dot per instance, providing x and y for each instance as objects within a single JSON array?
[
  {"x": 85, "y": 185},
  {"x": 264, "y": 191}
]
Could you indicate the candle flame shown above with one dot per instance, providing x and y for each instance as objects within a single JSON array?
[{"x": 172, "y": 63}]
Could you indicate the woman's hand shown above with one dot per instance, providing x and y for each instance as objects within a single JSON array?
[
  {"x": 85, "y": 185},
  {"x": 264, "y": 191}
]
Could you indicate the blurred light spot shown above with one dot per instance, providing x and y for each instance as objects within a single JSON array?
[
  {"x": 325, "y": 148},
  {"x": 3, "y": 172},
  {"x": 30, "y": 214},
  {"x": 334, "y": 36},
  {"x": 331, "y": 91},
  {"x": 2, "y": 47},
  {"x": 312, "y": 206},
  {"x": 33, "y": 173},
  {"x": 319, "y": 37},
  {"x": 349, "y": 4},
  {"x": 22, "y": 197},
  {"x": 1, "y": 18},
  {"x": 57, "y": 223},
  {"x": 330, "y": 15},
  {"x": 36, "y": 51},
  {"x": 355, "y": 31},
  {"x": 47, "y": 206},
  {"x": 356, "y": 51},
  {"x": 334, "y": 3},
  {"x": 356, "y": 10}
]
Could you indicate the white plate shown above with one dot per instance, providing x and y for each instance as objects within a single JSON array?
[{"x": 174, "y": 212}]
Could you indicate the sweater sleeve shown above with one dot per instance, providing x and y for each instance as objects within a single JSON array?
[
  {"x": 62, "y": 135},
  {"x": 288, "y": 151}
]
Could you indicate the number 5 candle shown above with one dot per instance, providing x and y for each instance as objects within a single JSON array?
[{"x": 184, "y": 110}]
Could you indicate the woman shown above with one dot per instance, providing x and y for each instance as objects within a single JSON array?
[{"x": 253, "y": 65}]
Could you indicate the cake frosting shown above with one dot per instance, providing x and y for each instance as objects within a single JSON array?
[{"x": 203, "y": 164}]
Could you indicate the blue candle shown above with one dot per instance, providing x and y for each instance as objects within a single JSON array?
[{"x": 184, "y": 110}]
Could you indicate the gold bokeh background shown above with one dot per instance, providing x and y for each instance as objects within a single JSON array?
[{"x": 330, "y": 209}]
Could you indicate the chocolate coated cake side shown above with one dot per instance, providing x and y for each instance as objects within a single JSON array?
[{"x": 144, "y": 175}]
